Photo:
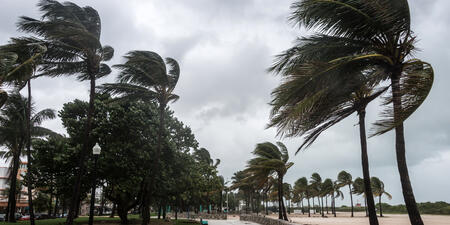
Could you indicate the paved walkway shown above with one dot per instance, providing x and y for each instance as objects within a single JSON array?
[{"x": 230, "y": 222}]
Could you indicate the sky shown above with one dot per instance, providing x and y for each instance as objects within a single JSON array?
[{"x": 224, "y": 49}]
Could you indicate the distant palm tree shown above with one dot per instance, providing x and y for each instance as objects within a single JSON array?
[
  {"x": 148, "y": 77},
  {"x": 275, "y": 159},
  {"x": 378, "y": 190},
  {"x": 13, "y": 135},
  {"x": 345, "y": 179},
  {"x": 302, "y": 186},
  {"x": 358, "y": 189},
  {"x": 367, "y": 35},
  {"x": 336, "y": 194},
  {"x": 316, "y": 183},
  {"x": 72, "y": 35},
  {"x": 327, "y": 189}
]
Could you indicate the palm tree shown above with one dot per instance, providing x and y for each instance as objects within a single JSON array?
[
  {"x": 148, "y": 77},
  {"x": 13, "y": 135},
  {"x": 345, "y": 179},
  {"x": 336, "y": 193},
  {"x": 301, "y": 186},
  {"x": 316, "y": 183},
  {"x": 72, "y": 35},
  {"x": 272, "y": 158},
  {"x": 366, "y": 35},
  {"x": 358, "y": 189},
  {"x": 378, "y": 190},
  {"x": 327, "y": 189},
  {"x": 28, "y": 52}
]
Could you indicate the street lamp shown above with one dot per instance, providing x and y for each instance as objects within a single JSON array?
[{"x": 96, "y": 152}]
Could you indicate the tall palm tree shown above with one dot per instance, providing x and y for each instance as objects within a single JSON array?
[
  {"x": 29, "y": 52},
  {"x": 148, "y": 77},
  {"x": 358, "y": 189},
  {"x": 14, "y": 135},
  {"x": 345, "y": 179},
  {"x": 366, "y": 35},
  {"x": 273, "y": 158},
  {"x": 378, "y": 190},
  {"x": 72, "y": 34}
]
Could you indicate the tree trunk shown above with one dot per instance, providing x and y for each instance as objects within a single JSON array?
[
  {"x": 321, "y": 209},
  {"x": 381, "y": 210},
  {"x": 333, "y": 205},
  {"x": 280, "y": 206},
  {"x": 159, "y": 212},
  {"x": 56, "y": 206},
  {"x": 309, "y": 209},
  {"x": 13, "y": 187},
  {"x": 408, "y": 195},
  {"x": 351, "y": 197},
  {"x": 29, "y": 159},
  {"x": 84, "y": 152},
  {"x": 326, "y": 203},
  {"x": 365, "y": 166},
  {"x": 314, "y": 207},
  {"x": 122, "y": 212},
  {"x": 113, "y": 210}
]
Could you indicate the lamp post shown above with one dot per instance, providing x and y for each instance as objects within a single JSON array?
[{"x": 96, "y": 152}]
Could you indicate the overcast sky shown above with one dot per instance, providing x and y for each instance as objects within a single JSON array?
[{"x": 224, "y": 49}]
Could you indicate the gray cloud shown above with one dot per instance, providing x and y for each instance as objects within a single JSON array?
[{"x": 224, "y": 48}]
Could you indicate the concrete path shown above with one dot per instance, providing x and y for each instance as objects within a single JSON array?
[{"x": 230, "y": 222}]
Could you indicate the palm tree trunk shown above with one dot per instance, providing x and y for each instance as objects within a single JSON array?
[
  {"x": 381, "y": 210},
  {"x": 318, "y": 202},
  {"x": 13, "y": 187},
  {"x": 280, "y": 206},
  {"x": 326, "y": 203},
  {"x": 408, "y": 195},
  {"x": 314, "y": 207},
  {"x": 365, "y": 166},
  {"x": 309, "y": 209},
  {"x": 323, "y": 213},
  {"x": 351, "y": 197},
  {"x": 74, "y": 203},
  {"x": 333, "y": 205},
  {"x": 29, "y": 159}
]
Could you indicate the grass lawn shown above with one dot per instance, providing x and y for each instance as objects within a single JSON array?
[{"x": 133, "y": 219}]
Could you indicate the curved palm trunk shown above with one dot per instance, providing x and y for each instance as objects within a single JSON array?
[
  {"x": 351, "y": 197},
  {"x": 74, "y": 203},
  {"x": 408, "y": 195},
  {"x": 314, "y": 207},
  {"x": 333, "y": 205},
  {"x": 29, "y": 159},
  {"x": 366, "y": 175}
]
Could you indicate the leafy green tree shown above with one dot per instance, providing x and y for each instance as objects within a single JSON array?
[
  {"x": 72, "y": 34},
  {"x": 273, "y": 158},
  {"x": 13, "y": 135},
  {"x": 378, "y": 190},
  {"x": 372, "y": 36},
  {"x": 146, "y": 76},
  {"x": 345, "y": 179}
]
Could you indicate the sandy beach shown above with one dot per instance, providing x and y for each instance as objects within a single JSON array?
[{"x": 360, "y": 219}]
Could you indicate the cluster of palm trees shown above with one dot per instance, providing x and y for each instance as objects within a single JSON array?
[
  {"x": 66, "y": 42},
  {"x": 361, "y": 50},
  {"x": 264, "y": 172},
  {"x": 304, "y": 190}
]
